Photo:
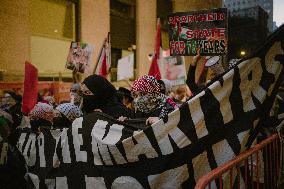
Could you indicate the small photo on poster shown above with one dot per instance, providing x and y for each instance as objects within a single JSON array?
[{"x": 173, "y": 69}]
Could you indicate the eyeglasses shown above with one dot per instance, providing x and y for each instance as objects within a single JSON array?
[
  {"x": 74, "y": 91},
  {"x": 87, "y": 93}
]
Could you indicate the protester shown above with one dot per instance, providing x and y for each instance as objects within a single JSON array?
[
  {"x": 149, "y": 102},
  {"x": 191, "y": 82},
  {"x": 41, "y": 116},
  {"x": 75, "y": 96},
  {"x": 278, "y": 108},
  {"x": 65, "y": 114},
  {"x": 125, "y": 97},
  {"x": 12, "y": 168},
  {"x": 4, "y": 129},
  {"x": 16, "y": 109},
  {"x": 49, "y": 100},
  {"x": 7, "y": 101},
  {"x": 181, "y": 94},
  {"x": 100, "y": 95}
]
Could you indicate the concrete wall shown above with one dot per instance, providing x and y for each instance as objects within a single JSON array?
[
  {"x": 52, "y": 30},
  {"x": 145, "y": 33},
  {"x": 49, "y": 56},
  {"x": 95, "y": 24},
  {"x": 14, "y": 38}
]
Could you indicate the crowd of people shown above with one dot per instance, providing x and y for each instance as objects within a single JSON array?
[{"x": 148, "y": 99}]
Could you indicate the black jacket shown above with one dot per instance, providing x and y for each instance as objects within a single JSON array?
[{"x": 115, "y": 108}]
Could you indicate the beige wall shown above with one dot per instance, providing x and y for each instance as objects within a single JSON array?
[
  {"x": 95, "y": 24},
  {"x": 53, "y": 18},
  {"x": 14, "y": 38},
  {"x": 146, "y": 19},
  {"x": 52, "y": 29},
  {"x": 49, "y": 56},
  {"x": 17, "y": 40}
]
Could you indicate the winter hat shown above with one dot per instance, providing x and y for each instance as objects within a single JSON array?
[
  {"x": 147, "y": 84},
  {"x": 42, "y": 111},
  {"x": 75, "y": 88},
  {"x": 69, "y": 110}
]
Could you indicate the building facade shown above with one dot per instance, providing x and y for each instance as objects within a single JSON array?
[
  {"x": 41, "y": 31},
  {"x": 267, "y": 5},
  {"x": 247, "y": 31}
]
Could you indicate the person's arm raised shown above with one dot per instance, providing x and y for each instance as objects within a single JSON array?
[{"x": 190, "y": 80}]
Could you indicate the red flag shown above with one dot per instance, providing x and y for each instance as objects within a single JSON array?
[
  {"x": 154, "y": 69},
  {"x": 30, "y": 88},
  {"x": 104, "y": 59},
  {"x": 103, "y": 64}
]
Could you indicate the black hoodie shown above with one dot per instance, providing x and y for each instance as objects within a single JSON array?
[{"x": 105, "y": 97}]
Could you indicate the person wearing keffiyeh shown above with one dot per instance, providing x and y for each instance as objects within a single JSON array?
[
  {"x": 149, "y": 102},
  {"x": 41, "y": 116},
  {"x": 65, "y": 114}
]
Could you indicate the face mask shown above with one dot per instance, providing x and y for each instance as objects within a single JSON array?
[
  {"x": 148, "y": 102},
  {"x": 75, "y": 98},
  {"x": 61, "y": 122}
]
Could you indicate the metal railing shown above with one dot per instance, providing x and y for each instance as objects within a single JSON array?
[{"x": 257, "y": 167}]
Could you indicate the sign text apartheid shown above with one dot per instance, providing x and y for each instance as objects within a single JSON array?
[{"x": 206, "y": 30}]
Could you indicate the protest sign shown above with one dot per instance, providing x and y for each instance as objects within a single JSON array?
[
  {"x": 79, "y": 57},
  {"x": 206, "y": 29},
  {"x": 125, "y": 67},
  {"x": 173, "y": 69}
]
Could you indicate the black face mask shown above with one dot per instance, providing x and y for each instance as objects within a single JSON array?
[
  {"x": 91, "y": 102},
  {"x": 35, "y": 124},
  {"x": 61, "y": 122}
]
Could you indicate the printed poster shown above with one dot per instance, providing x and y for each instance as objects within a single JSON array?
[
  {"x": 79, "y": 57},
  {"x": 173, "y": 68},
  {"x": 125, "y": 67},
  {"x": 206, "y": 29}
]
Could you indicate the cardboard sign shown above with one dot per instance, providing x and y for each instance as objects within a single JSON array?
[
  {"x": 173, "y": 68},
  {"x": 125, "y": 67},
  {"x": 205, "y": 29},
  {"x": 79, "y": 57}
]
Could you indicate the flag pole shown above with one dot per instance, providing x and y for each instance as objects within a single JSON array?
[
  {"x": 154, "y": 67},
  {"x": 109, "y": 51}
]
